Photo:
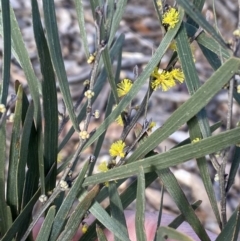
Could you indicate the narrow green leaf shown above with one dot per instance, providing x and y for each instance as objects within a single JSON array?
[
  {"x": 76, "y": 217},
  {"x": 12, "y": 181},
  {"x": 212, "y": 45},
  {"x": 190, "y": 74},
  {"x": 40, "y": 149},
  {"x": 190, "y": 108},
  {"x": 127, "y": 197},
  {"x": 186, "y": 59},
  {"x": 100, "y": 234},
  {"x": 170, "y": 158},
  {"x": 211, "y": 57},
  {"x": 67, "y": 204},
  {"x": 234, "y": 168},
  {"x": 26, "y": 132},
  {"x": 236, "y": 96},
  {"x": 173, "y": 188},
  {"x": 32, "y": 176},
  {"x": 199, "y": 5},
  {"x": 81, "y": 23},
  {"x": 157, "y": 10},
  {"x": 120, "y": 9},
  {"x": 230, "y": 228},
  {"x": 16, "y": 226},
  {"x": 5, "y": 12},
  {"x": 50, "y": 110},
  {"x": 108, "y": 67},
  {"x": 188, "y": 140},
  {"x": 20, "y": 52},
  {"x": 138, "y": 83},
  {"x": 149, "y": 178},
  {"x": 110, "y": 223},
  {"x": 194, "y": 13},
  {"x": 5, "y": 211},
  {"x": 45, "y": 230},
  {"x": 171, "y": 233},
  {"x": 180, "y": 218},
  {"x": 140, "y": 207},
  {"x": 109, "y": 19},
  {"x": 201, "y": 122},
  {"x": 56, "y": 57},
  {"x": 24, "y": 215},
  {"x": 94, "y": 4},
  {"x": 117, "y": 211},
  {"x": 31, "y": 180},
  {"x": 203, "y": 168}
]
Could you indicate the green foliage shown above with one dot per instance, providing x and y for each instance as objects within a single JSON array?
[{"x": 32, "y": 156}]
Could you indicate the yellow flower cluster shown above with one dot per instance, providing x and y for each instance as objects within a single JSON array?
[
  {"x": 117, "y": 149},
  {"x": 166, "y": 79},
  {"x": 84, "y": 135},
  {"x": 196, "y": 140},
  {"x": 103, "y": 167},
  {"x": 2, "y": 108},
  {"x": 151, "y": 126},
  {"x": 89, "y": 94},
  {"x": 97, "y": 114},
  {"x": 91, "y": 58},
  {"x": 119, "y": 120},
  {"x": 171, "y": 18},
  {"x": 84, "y": 228},
  {"x": 159, "y": 4},
  {"x": 123, "y": 87}
]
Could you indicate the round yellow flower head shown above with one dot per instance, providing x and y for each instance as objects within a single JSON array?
[
  {"x": 84, "y": 228},
  {"x": 171, "y": 18},
  {"x": 177, "y": 74},
  {"x": 124, "y": 87},
  {"x": 117, "y": 149},
  {"x": 161, "y": 78}
]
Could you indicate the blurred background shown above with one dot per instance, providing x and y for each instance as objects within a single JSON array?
[{"x": 142, "y": 36}]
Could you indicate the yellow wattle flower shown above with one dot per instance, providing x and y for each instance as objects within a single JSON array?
[
  {"x": 171, "y": 18},
  {"x": 123, "y": 87},
  {"x": 162, "y": 79},
  {"x": 117, "y": 149}
]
